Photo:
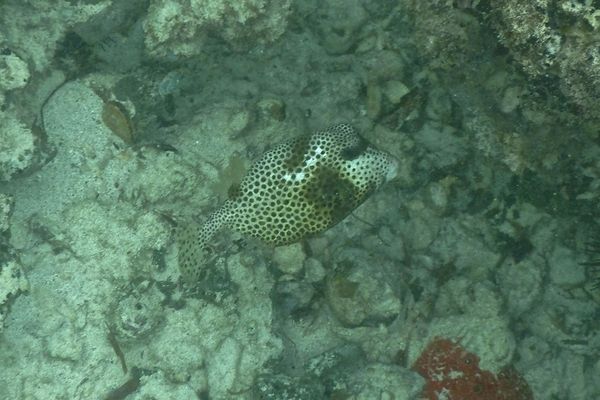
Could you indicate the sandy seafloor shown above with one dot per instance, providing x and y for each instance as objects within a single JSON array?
[{"x": 120, "y": 121}]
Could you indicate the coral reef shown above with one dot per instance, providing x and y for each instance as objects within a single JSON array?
[
  {"x": 180, "y": 28},
  {"x": 47, "y": 22},
  {"x": 122, "y": 123},
  {"x": 18, "y": 146},
  {"x": 12, "y": 277},
  {"x": 555, "y": 40},
  {"x": 12, "y": 283},
  {"x": 14, "y": 72}
]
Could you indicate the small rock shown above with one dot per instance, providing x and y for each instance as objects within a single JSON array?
[
  {"x": 283, "y": 387},
  {"x": 313, "y": 270},
  {"x": 520, "y": 283},
  {"x": 239, "y": 121},
  {"x": 461, "y": 296},
  {"x": 138, "y": 312},
  {"x": 374, "y": 99},
  {"x": 437, "y": 196},
  {"x": 439, "y": 105},
  {"x": 358, "y": 297},
  {"x": 511, "y": 99},
  {"x": 271, "y": 109},
  {"x": 421, "y": 228},
  {"x": 386, "y": 382},
  {"x": 395, "y": 91},
  {"x": 289, "y": 259},
  {"x": 318, "y": 245},
  {"x": 386, "y": 65},
  {"x": 65, "y": 344},
  {"x": 14, "y": 72},
  {"x": 564, "y": 268},
  {"x": 292, "y": 296}
]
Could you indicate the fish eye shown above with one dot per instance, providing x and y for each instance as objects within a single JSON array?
[{"x": 352, "y": 152}]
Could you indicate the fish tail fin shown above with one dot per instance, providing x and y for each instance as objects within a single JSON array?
[{"x": 192, "y": 244}]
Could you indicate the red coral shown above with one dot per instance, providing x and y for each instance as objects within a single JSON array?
[{"x": 452, "y": 373}]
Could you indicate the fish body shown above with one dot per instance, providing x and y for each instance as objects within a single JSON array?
[{"x": 298, "y": 188}]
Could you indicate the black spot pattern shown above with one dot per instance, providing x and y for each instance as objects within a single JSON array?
[{"x": 300, "y": 187}]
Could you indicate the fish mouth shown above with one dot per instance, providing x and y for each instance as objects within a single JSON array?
[{"x": 393, "y": 169}]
